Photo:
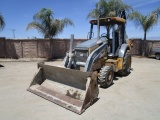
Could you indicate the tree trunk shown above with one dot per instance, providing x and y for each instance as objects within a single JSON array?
[{"x": 144, "y": 44}]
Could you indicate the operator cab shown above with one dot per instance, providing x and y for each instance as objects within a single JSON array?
[{"x": 112, "y": 28}]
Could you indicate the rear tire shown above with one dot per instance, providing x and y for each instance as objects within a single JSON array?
[
  {"x": 126, "y": 67},
  {"x": 157, "y": 55},
  {"x": 105, "y": 76}
]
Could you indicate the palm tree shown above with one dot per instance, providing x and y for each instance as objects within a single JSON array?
[
  {"x": 2, "y": 23},
  {"x": 145, "y": 22},
  {"x": 109, "y": 8},
  {"x": 47, "y": 25}
]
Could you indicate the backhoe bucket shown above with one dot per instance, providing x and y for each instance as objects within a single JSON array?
[{"x": 73, "y": 89}]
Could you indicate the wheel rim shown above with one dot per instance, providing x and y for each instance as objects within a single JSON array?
[
  {"x": 158, "y": 56},
  {"x": 110, "y": 77},
  {"x": 105, "y": 77}
]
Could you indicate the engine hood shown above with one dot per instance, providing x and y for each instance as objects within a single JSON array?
[{"x": 89, "y": 43}]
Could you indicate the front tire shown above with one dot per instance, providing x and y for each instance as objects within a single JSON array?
[
  {"x": 105, "y": 76},
  {"x": 157, "y": 56}
]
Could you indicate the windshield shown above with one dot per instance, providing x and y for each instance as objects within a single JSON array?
[{"x": 105, "y": 31}]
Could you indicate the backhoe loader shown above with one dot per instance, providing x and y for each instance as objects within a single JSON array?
[{"x": 75, "y": 85}]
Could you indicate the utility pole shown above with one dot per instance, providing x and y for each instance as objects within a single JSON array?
[
  {"x": 13, "y": 33},
  {"x": 13, "y": 30}
]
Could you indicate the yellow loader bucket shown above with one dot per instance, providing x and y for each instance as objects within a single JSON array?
[{"x": 73, "y": 89}]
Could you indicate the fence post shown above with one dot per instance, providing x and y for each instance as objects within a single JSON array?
[
  {"x": 5, "y": 48},
  {"x": 51, "y": 50},
  {"x": 22, "y": 48},
  {"x": 37, "y": 49}
]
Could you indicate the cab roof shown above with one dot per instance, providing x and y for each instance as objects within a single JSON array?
[{"x": 108, "y": 20}]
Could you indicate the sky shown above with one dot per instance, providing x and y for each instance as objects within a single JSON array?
[{"x": 18, "y": 13}]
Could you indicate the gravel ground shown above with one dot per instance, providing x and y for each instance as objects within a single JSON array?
[{"x": 134, "y": 97}]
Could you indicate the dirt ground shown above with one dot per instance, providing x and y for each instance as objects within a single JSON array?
[{"x": 134, "y": 97}]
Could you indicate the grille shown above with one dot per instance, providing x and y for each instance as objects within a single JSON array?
[{"x": 81, "y": 56}]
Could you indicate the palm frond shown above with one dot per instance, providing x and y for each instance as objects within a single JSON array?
[
  {"x": 37, "y": 26},
  {"x": 58, "y": 25},
  {"x": 93, "y": 14},
  {"x": 49, "y": 27},
  {"x": 2, "y": 22},
  {"x": 145, "y": 22},
  {"x": 156, "y": 12},
  {"x": 109, "y": 8},
  {"x": 151, "y": 21},
  {"x": 43, "y": 14}
]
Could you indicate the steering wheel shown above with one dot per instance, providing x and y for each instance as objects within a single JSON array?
[{"x": 103, "y": 35}]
